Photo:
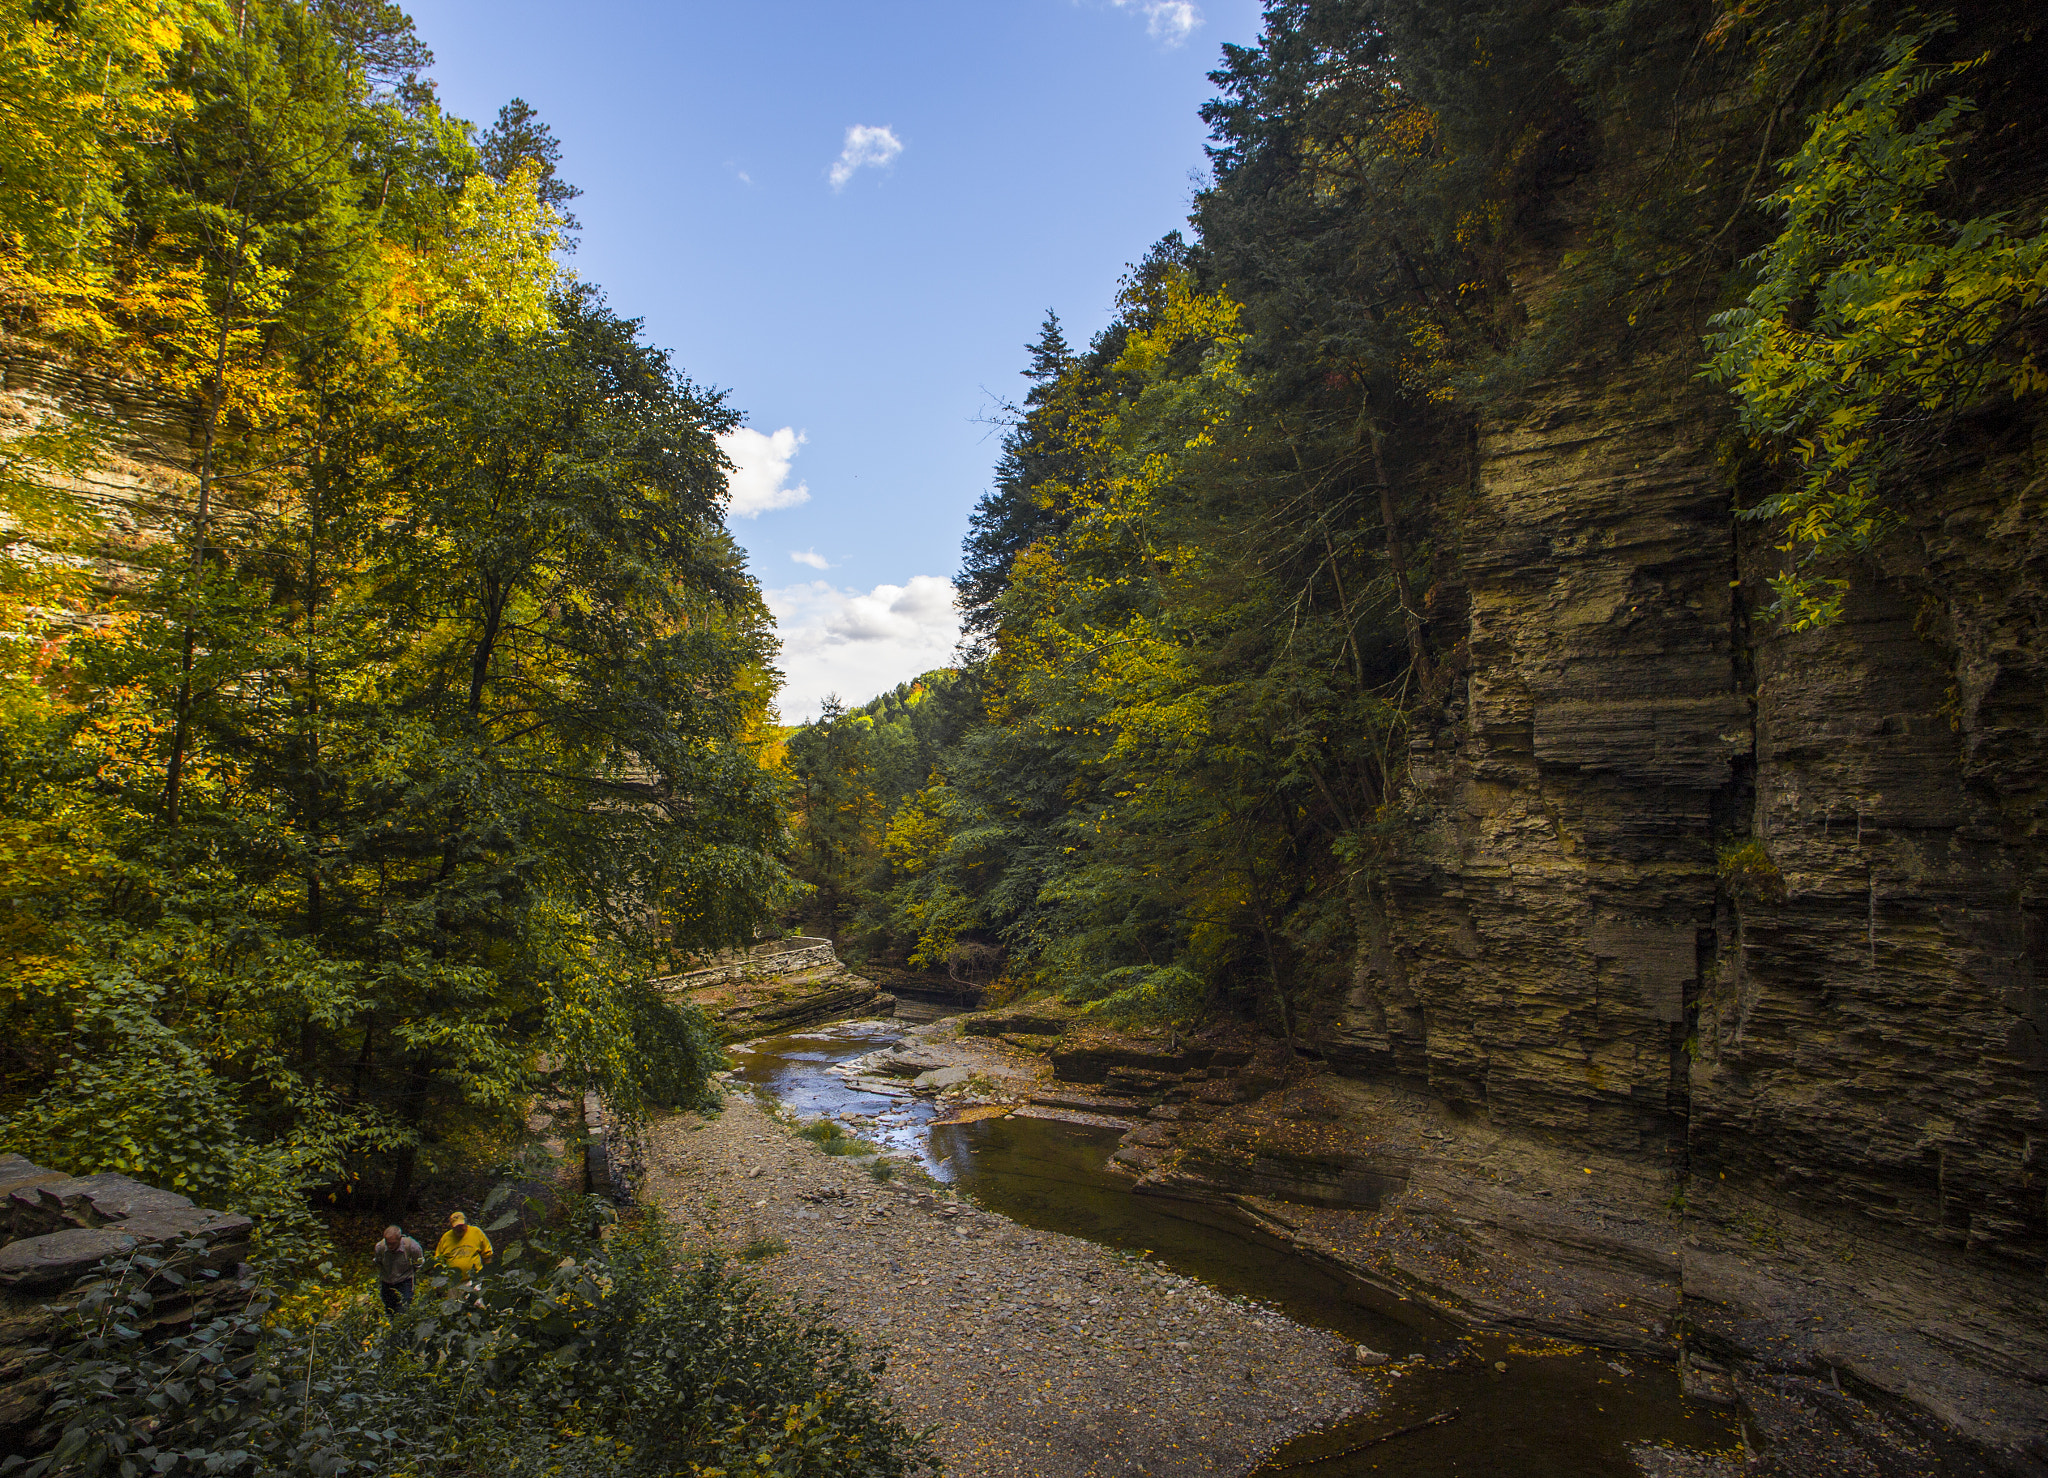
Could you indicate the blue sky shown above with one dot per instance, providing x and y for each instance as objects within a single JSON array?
[{"x": 853, "y": 217}]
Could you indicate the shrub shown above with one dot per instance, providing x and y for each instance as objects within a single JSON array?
[
  {"x": 1749, "y": 874},
  {"x": 616, "y": 1363},
  {"x": 830, "y": 1137}
]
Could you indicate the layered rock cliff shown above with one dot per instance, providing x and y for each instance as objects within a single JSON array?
[{"x": 1756, "y": 918}]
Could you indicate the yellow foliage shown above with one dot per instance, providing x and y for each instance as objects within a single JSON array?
[
  {"x": 917, "y": 834},
  {"x": 497, "y": 263},
  {"x": 75, "y": 99}
]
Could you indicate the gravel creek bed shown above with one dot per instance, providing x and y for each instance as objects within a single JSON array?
[{"x": 1028, "y": 1352}]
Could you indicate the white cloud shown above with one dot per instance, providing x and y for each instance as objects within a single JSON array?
[
  {"x": 810, "y": 557},
  {"x": 864, "y": 145},
  {"x": 858, "y": 644},
  {"x": 1172, "y": 21},
  {"x": 759, "y": 480}
]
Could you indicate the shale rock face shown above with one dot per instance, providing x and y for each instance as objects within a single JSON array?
[
  {"x": 141, "y": 482},
  {"x": 1542, "y": 944},
  {"x": 782, "y": 985},
  {"x": 1873, "y": 1044},
  {"x": 1852, "y": 1021},
  {"x": 54, "y": 1231},
  {"x": 1758, "y": 915}
]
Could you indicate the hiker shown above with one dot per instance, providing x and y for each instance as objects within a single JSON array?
[
  {"x": 398, "y": 1263},
  {"x": 464, "y": 1247}
]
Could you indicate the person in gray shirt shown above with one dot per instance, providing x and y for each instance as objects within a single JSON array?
[{"x": 399, "y": 1259}]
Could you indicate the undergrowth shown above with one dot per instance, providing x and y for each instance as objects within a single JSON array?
[
  {"x": 604, "y": 1359},
  {"x": 830, "y": 1137}
]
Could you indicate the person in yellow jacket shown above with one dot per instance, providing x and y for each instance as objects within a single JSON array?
[{"x": 463, "y": 1247}]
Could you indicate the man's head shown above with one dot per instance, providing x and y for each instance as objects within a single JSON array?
[
  {"x": 392, "y": 1236},
  {"x": 457, "y": 1221}
]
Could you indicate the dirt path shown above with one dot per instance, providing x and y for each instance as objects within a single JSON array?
[{"x": 1034, "y": 1355}]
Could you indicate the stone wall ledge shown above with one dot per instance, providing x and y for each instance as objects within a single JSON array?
[{"x": 56, "y": 1230}]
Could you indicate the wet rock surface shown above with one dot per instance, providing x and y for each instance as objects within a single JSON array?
[
  {"x": 1031, "y": 1351},
  {"x": 1512, "y": 1231}
]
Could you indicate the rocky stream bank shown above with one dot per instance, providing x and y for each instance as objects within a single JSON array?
[
  {"x": 1027, "y": 1351},
  {"x": 1829, "y": 1356}
]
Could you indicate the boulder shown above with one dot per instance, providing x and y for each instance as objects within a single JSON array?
[
  {"x": 17, "y": 1173},
  {"x": 95, "y": 1200},
  {"x": 909, "y": 1061},
  {"x": 221, "y": 1230},
  {"x": 58, "y": 1259},
  {"x": 56, "y": 1229}
]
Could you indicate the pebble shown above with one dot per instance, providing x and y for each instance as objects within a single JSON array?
[{"x": 1029, "y": 1352}]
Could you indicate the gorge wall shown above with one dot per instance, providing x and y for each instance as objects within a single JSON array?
[
  {"x": 1758, "y": 914},
  {"x": 138, "y": 482}
]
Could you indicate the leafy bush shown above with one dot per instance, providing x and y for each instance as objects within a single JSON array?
[
  {"x": 137, "y": 1100},
  {"x": 618, "y": 1362},
  {"x": 681, "y": 1050},
  {"x": 1874, "y": 321},
  {"x": 828, "y": 1136},
  {"x": 1749, "y": 874},
  {"x": 822, "y": 1131},
  {"x": 1148, "y": 993}
]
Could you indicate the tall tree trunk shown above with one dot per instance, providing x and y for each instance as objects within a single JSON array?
[
  {"x": 1344, "y": 610},
  {"x": 310, "y": 800},
  {"x": 1397, "y": 561},
  {"x": 486, "y": 645},
  {"x": 400, "y": 1192},
  {"x": 216, "y": 392}
]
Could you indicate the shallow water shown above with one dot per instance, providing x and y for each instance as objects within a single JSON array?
[{"x": 1557, "y": 1412}]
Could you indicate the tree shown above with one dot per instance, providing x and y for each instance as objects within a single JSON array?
[
  {"x": 520, "y": 137},
  {"x": 458, "y": 749},
  {"x": 1022, "y": 507},
  {"x": 1874, "y": 322}
]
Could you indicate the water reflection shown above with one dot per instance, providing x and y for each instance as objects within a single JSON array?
[{"x": 1554, "y": 1412}]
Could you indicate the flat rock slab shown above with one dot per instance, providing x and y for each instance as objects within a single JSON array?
[
  {"x": 1014, "y": 1023},
  {"x": 215, "y": 1228},
  {"x": 1029, "y": 1352},
  {"x": 93, "y": 1200},
  {"x": 57, "y": 1258}
]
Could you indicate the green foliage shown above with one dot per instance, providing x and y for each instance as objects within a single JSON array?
[
  {"x": 1214, "y": 593},
  {"x": 521, "y": 1376},
  {"x": 1875, "y": 320},
  {"x": 850, "y": 772},
  {"x": 682, "y": 1049},
  {"x": 433, "y": 727},
  {"x": 832, "y": 1139},
  {"x": 1150, "y": 993},
  {"x": 1748, "y": 873}
]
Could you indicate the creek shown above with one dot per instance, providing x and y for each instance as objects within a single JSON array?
[{"x": 1557, "y": 1411}]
